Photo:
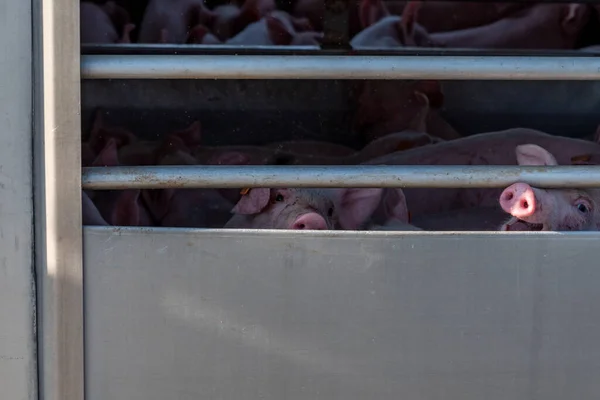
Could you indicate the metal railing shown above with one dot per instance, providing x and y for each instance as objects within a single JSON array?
[
  {"x": 339, "y": 67},
  {"x": 439, "y": 176}
]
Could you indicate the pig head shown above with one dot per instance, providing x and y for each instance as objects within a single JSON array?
[
  {"x": 309, "y": 209},
  {"x": 536, "y": 209}
]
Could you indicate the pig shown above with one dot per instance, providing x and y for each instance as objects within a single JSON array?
[
  {"x": 97, "y": 27},
  {"x": 278, "y": 29},
  {"x": 313, "y": 10},
  {"x": 201, "y": 35},
  {"x": 538, "y": 26},
  {"x": 306, "y": 209},
  {"x": 169, "y": 21},
  {"x": 385, "y": 107},
  {"x": 192, "y": 208},
  {"x": 229, "y": 20},
  {"x": 384, "y": 30},
  {"x": 119, "y": 207},
  {"x": 444, "y": 16},
  {"x": 535, "y": 209},
  {"x": 101, "y": 133},
  {"x": 494, "y": 148},
  {"x": 89, "y": 213}
]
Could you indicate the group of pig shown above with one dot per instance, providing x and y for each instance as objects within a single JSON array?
[
  {"x": 413, "y": 133},
  {"x": 376, "y": 24}
]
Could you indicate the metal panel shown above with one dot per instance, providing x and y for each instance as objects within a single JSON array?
[
  {"x": 436, "y": 176},
  {"x": 58, "y": 199},
  {"x": 338, "y": 67},
  {"x": 18, "y": 374},
  {"x": 192, "y": 314}
]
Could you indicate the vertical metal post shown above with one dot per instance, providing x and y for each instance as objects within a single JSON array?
[
  {"x": 58, "y": 199},
  {"x": 18, "y": 377}
]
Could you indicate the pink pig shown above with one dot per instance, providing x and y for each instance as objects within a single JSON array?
[
  {"x": 444, "y": 16},
  {"x": 229, "y": 19},
  {"x": 101, "y": 24},
  {"x": 169, "y": 21},
  {"x": 119, "y": 207},
  {"x": 384, "y": 30},
  {"x": 307, "y": 209},
  {"x": 200, "y": 208},
  {"x": 494, "y": 148},
  {"x": 278, "y": 28},
  {"x": 539, "y": 26},
  {"x": 535, "y": 209}
]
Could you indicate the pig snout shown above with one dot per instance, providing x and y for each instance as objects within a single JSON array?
[
  {"x": 310, "y": 221},
  {"x": 518, "y": 200}
]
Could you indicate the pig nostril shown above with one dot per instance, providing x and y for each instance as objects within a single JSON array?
[
  {"x": 525, "y": 204},
  {"x": 300, "y": 226},
  {"x": 509, "y": 196}
]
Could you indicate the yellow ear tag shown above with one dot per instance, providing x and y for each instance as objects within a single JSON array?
[{"x": 245, "y": 191}]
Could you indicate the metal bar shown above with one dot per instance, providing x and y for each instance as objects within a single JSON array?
[
  {"x": 338, "y": 67},
  {"x": 18, "y": 363},
  {"x": 57, "y": 174},
  {"x": 338, "y": 176}
]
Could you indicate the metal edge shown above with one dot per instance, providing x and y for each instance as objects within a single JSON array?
[
  {"x": 18, "y": 345},
  {"x": 240, "y": 233},
  {"x": 339, "y": 67},
  {"x": 374, "y": 176},
  {"x": 57, "y": 178}
]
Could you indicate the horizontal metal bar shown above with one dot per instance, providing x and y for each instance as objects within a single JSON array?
[
  {"x": 157, "y": 177},
  {"x": 338, "y": 67}
]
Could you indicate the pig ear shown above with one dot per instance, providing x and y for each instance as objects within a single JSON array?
[
  {"x": 409, "y": 18},
  {"x": 356, "y": 206},
  {"x": 394, "y": 205},
  {"x": 157, "y": 202},
  {"x": 278, "y": 32},
  {"x": 371, "y": 11},
  {"x": 108, "y": 156},
  {"x": 532, "y": 154},
  {"x": 127, "y": 209},
  {"x": 253, "y": 202},
  {"x": 433, "y": 91}
]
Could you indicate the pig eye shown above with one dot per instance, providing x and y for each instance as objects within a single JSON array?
[
  {"x": 279, "y": 197},
  {"x": 330, "y": 212},
  {"x": 582, "y": 208}
]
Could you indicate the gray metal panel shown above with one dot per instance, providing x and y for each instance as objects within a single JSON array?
[
  {"x": 18, "y": 374},
  {"x": 338, "y": 67},
  {"x": 192, "y": 314},
  {"x": 58, "y": 232}
]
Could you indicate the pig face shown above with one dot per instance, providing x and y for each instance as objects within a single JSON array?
[
  {"x": 535, "y": 209},
  {"x": 313, "y": 209},
  {"x": 299, "y": 209}
]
